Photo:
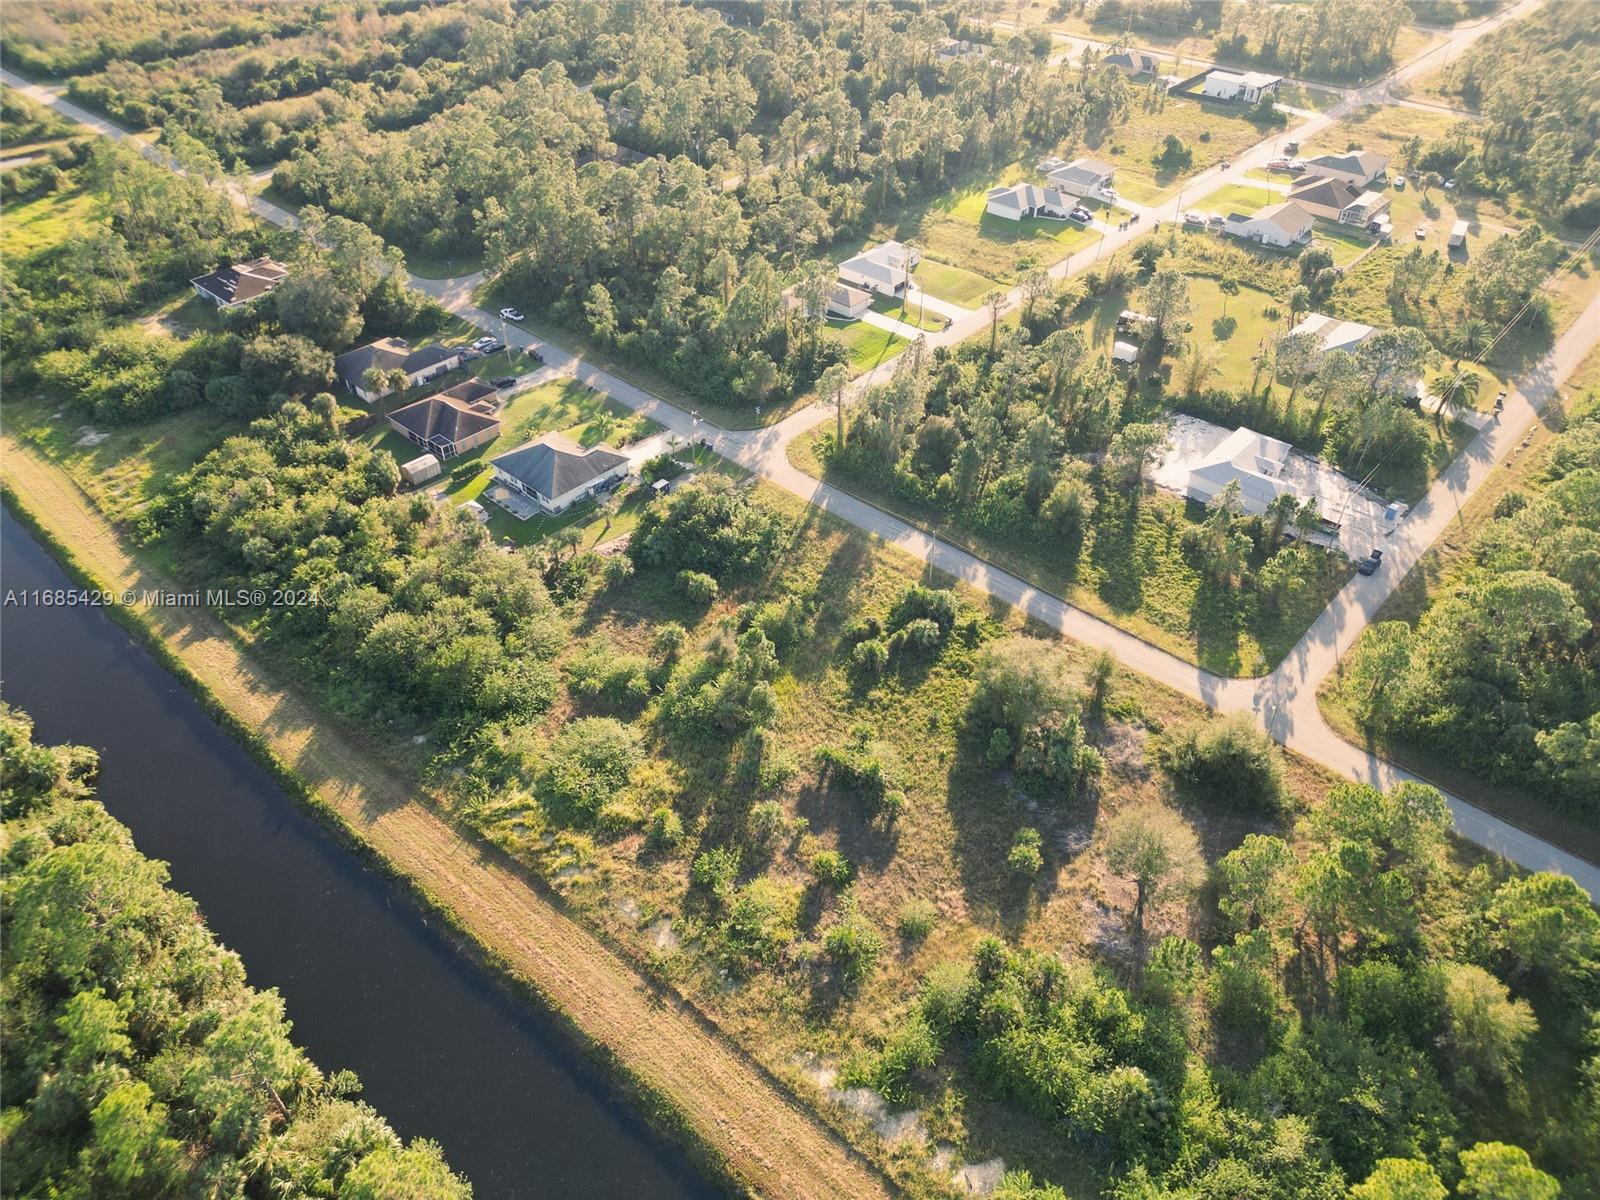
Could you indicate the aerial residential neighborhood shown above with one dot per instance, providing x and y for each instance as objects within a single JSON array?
[{"x": 688, "y": 599}]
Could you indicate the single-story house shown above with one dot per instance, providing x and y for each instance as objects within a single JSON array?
[
  {"x": 1281, "y": 225},
  {"x": 1132, "y": 62},
  {"x": 1368, "y": 206},
  {"x": 847, "y": 302},
  {"x": 954, "y": 48},
  {"x": 450, "y": 422},
  {"x": 1248, "y": 86},
  {"x": 1323, "y": 196},
  {"x": 1332, "y": 333},
  {"x": 420, "y": 469},
  {"x": 231, "y": 286},
  {"x": 1028, "y": 200},
  {"x": 390, "y": 354},
  {"x": 1083, "y": 177},
  {"x": 555, "y": 472},
  {"x": 1252, "y": 459},
  {"x": 885, "y": 269},
  {"x": 1358, "y": 168}
]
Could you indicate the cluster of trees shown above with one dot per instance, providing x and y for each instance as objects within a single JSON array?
[
  {"x": 137, "y": 1061},
  {"x": 1539, "y": 135},
  {"x": 1363, "y": 964},
  {"x": 1326, "y": 39},
  {"x": 1499, "y": 674},
  {"x": 68, "y": 41}
]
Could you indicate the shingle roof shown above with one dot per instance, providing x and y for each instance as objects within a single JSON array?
[
  {"x": 552, "y": 465},
  {"x": 387, "y": 354},
  {"x": 1288, "y": 216},
  {"x": 1324, "y": 191},
  {"x": 1358, "y": 162},
  {"x": 242, "y": 281},
  {"x": 1082, "y": 171},
  {"x": 442, "y": 419}
]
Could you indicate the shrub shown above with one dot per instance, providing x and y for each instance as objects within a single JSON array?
[
  {"x": 918, "y": 919},
  {"x": 999, "y": 750},
  {"x": 698, "y": 586},
  {"x": 715, "y": 870},
  {"x": 863, "y": 630},
  {"x": 1026, "y": 859},
  {"x": 832, "y": 869},
  {"x": 863, "y": 768},
  {"x": 920, "y": 636},
  {"x": 869, "y": 659},
  {"x": 618, "y": 570},
  {"x": 760, "y": 925},
  {"x": 590, "y": 761},
  {"x": 1173, "y": 971},
  {"x": 621, "y": 681},
  {"x": 662, "y": 466},
  {"x": 665, "y": 829},
  {"x": 1227, "y": 761},
  {"x": 767, "y": 824},
  {"x": 853, "y": 945},
  {"x": 922, "y": 603}
]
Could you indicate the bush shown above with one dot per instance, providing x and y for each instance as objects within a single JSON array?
[
  {"x": 869, "y": 660},
  {"x": 832, "y": 869},
  {"x": 920, "y": 636},
  {"x": 665, "y": 829},
  {"x": 862, "y": 768},
  {"x": 918, "y": 918},
  {"x": 760, "y": 925},
  {"x": 698, "y": 586},
  {"x": 715, "y": 870},
  {"x": 999, "y": 750},
  {"x": 921, "y": 603},
  {"x": 590, "y": 761},
  {"x": 1227, "y": 761},
  {"x": 662, "y": 466},
  {"x": 853, "y": 945},
  {"x": 1026, "y": 859},
  {"x": 767, "y": 824}
]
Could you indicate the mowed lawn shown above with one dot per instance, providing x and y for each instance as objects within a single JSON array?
[
  {"x": 1132, "y": 147},
  {"x": 866, "y": 345},
  {"x": 896, "y": 308},
  {"x": 1241, "y": 198},
  {"x": 941, "y": 280}
]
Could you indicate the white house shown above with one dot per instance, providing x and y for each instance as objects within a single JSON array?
[
  {"x": 1083, "y": 177},
  {"x": 1252, "y": 459},
  {"x": 1248, "y": 86},
  {"x": 1281, "y": 225},
  {"x": 847, "y": 302},
  {"x": 388, "y": 354},
  {"x": 884, "y": 269},
  {"x": 1332, "y": 333},
  {"x": 555, "y": 472},
  {"x": 1028, "y": 200},
  {"x": 240, "y": 283},
  {"x": 1358, "y": 168}
]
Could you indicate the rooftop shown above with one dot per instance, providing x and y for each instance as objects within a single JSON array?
[
  {"x": 553, "y": 465},
  {"x": 242, "y": 281}
]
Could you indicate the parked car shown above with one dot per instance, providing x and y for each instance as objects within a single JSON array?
[
  {"x": 1422, "y": 231},
  {"x": 1133, "y": 220},
  {"x": 1399, "y": 183},
  {"x": 491, "y": 346},
  {"x": 1195, "y": 218},
  {"x": 1081, "y": 214},
  {"x": 535, "y": 355},
  {"x": 1216, "y": 221},
  {"x": 1291, "y": 147},
  {"x": 1449, "y": 185},
  {"x": 1297, "y": 165},
  {"x": 479, "y": 343},
  {"x": 505, "y": 381},
  {"x": 1369, "y": 565},
  {"x": 511, "y": 314},
  {"x": 470, "y": 353},
  {"x": 1278, "y": 164}
]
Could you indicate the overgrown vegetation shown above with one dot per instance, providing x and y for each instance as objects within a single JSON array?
[{"x": 137, "y": 1061}]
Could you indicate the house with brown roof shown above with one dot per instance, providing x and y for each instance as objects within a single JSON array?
[
  {"x": 1323, "y": 196},
  {"x": 239, "y": 283},
  {"x": 450, "y": 422}
]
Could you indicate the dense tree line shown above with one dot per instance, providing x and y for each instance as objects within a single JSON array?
[
  {"x": 1534, "y": 83},
  {"x": 1379, "y": 1003},
  {"x": 137, "y": 1061},
  {"x": 1500, "y": 674},
  {"x": 1326, "y": 39}
]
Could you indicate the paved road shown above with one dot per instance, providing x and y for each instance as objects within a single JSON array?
[{"x": 1284, "y": 702}]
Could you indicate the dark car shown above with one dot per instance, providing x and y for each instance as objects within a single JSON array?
[
  {"x": 1369, "y": 565},
  {"x": 535, "y": 355},
  {"x": 491, "y": 346},
  {"x": 505, "y": 381}
]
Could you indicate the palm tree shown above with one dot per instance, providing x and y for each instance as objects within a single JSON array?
[
  {"x": 832, "y": 384},
  {"x": 1472, "y": 337},
  {"x": 1459, "y": 387},
  {"x": 1228, "y": 287},
  {"x": 994, "y": 301}
]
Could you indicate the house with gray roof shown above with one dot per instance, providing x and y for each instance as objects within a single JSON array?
[
  {"x": 1322, "y": 195},
  {"x": 1280, "y": 225},
  {"x": 239, "y": 283},
  {"x": 884, "y": 269},
  {"x": 555, "y": 472},
  {"x": 388, "y": 354},
  {"x": 1084, "y": 177},
  {"x": 1132, "y": 62},
  {"x": 450, "y": 422},
  {"x": 1358, "y": 168},
  {"x": 1028, "y": 200}
]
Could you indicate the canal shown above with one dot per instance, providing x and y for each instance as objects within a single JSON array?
[{"x": 370, "y": 985}]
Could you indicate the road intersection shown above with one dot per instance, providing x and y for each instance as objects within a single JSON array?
[{"x": 1283, "y": 702}]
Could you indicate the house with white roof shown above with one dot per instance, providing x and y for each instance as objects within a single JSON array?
[
  {"x": 884, "y": 269},
  {"x": 1332, "y": 333},
  {"x": 1364, "y": 209},
  {"x": 1358, "y": 168},
  {"x": 1282, "y": 225},
  {"x": 1083, "y": 177},
  {"x": 1028, "y": 200},
  {"x": 1253, "y": 460},
  {"x": 1248, "y": 86}
]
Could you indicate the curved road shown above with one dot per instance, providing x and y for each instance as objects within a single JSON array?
[{"x": 1284, "y": 702}]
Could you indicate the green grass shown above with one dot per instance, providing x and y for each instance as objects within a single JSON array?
[
  {"x": 1341, "y": 241},
  {"x": 866, "y": 345},
  {"x": 1132, "y": 146},
  {"x": 953, "y": 284},
  {"x": 1241, "y": 198},
  {"x": 1315, "y": 99},
  {"x": 44, "y": 221},
  {"x": 898, "y": 309}
]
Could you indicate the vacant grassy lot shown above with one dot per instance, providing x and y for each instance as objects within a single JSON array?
[
  {"x": 867, "y": 345},
  {"x": 897, "y": 308},
  {"x": 954, "y": 284},
  {"x": 1242, "y": 198},
  {"x": 1211, "y": 131},
  {"x": 44, "y": 221}
]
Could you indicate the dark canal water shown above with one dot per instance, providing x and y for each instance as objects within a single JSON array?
[{"x": 443, "y": 1053}]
